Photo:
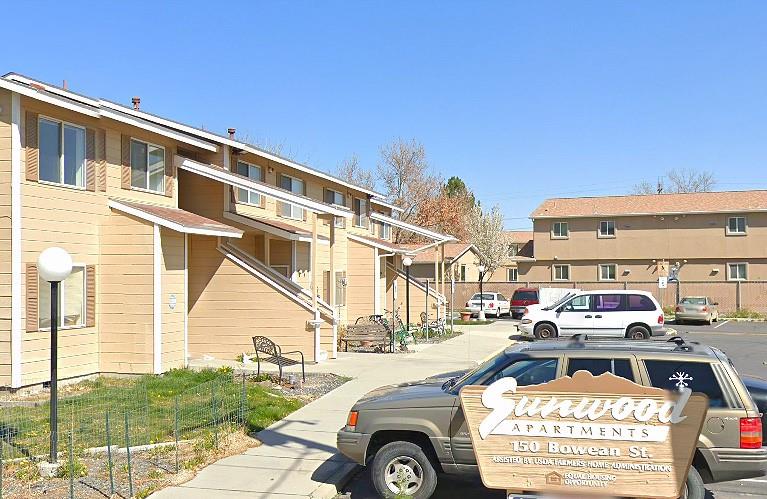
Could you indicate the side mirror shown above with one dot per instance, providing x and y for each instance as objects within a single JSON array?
[
  {"x": 715, "y": 303},
  {"x": 560, "y": 309}
]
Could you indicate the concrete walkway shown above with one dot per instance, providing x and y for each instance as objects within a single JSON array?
[{"x": 298, "y": 458}]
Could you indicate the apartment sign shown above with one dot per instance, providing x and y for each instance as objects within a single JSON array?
[{"x": 584, "y": 435}]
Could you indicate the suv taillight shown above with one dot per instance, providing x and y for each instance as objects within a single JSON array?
[
  {"x": 468, "y": 304},
  {"x": 750, "y": 433},
  {"x": 660, "y": 319}
]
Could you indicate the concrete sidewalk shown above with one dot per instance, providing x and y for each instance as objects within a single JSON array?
[{"x": 298, "y": 457}]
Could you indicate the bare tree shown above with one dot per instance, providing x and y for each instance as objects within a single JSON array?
[
  {"x": 351, "y": 171},
  {"x": 406, "y": 180},
  {"x": 678, "y": 181},
  {"x": 485, "y": 231}
]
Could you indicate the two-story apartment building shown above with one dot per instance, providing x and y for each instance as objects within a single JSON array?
[
  {"x": 186, "y": 243},
  {"x": 712, "y": 236}
]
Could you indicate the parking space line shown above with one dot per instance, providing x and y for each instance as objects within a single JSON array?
[{"x": 721, "y": 324}]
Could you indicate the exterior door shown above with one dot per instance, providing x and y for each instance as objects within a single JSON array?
[
  {"x": 575, "y": 316},
  {"x": 530, "y": 371},
  {"x": 610, "y": 314}
]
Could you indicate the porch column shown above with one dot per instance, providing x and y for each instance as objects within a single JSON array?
[
  {"x": 313, "y": 250},
  {"x": 436, "y": 276},
  {"x": 442, "y": 276},
  {"x": 332, "y": 286}
]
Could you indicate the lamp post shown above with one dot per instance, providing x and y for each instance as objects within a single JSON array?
[
  {"x": 481, "y": 314},
  {"x": 407, "y": 262},
  {"x": 54, "y": 265}
]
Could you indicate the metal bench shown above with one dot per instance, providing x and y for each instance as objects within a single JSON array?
[
  {"x": 377, "y": 334},
  {"x": 275, "y": 355}
]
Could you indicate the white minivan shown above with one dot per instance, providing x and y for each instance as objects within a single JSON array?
[{"x": 625, "y": 313}]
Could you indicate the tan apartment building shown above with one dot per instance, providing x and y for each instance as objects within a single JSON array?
[
  {"x": 711, "y": 236},
  {"x": 186, "y": 243}
]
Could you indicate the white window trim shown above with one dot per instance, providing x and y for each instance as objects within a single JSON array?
[
  {"x": 281, "y": 266},
  {"x": 293, "y": 206},
  {"x": 462, "y": 273},
  {"x": 354, "y": 214},
  {"x": 61, "y": 153},
  {"x": 599, "y": 271},
  {"x": 729, "y": 274},
  {"x": 260, "y": 179},
  {"x": 62, "y": 297},
  {"x": 385, "y": 231},
  {"x": 554, "y": 271},
  {"x": 606, "y": 236},
  {"x": 339, "y": 222},
  {"x": 745, "y": 226},
  {"x": 508, "y": 274},
  {"x": 164, "y": 165},
  {"x": 554, "y": 236}
]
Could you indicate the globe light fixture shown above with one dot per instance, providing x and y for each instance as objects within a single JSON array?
[{"x": 54, "y": 265}]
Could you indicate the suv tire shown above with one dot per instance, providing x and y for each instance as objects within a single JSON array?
[
  {"x": 638, "y": 333},
  {"x": 545, "y": 331},
  {"x": 694, "y": 485},
  {"x": 407, "y": 461}
]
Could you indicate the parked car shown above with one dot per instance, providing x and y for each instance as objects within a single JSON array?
[
  {"x": 623, "y": 313},
  {"x": 494, "y": 304},
  {"x": 419, "y": 428},
  {"x": 521, "y": 299},
  {"x": 757, "y": 387},
  {"x": 696, "y": 308}
]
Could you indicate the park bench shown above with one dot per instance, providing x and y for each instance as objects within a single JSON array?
[
  {"x": 275, "y": 355},
  {"x": 376, "y": 333}
]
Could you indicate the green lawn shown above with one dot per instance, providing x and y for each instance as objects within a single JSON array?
[{"x": 206, "y": 400}]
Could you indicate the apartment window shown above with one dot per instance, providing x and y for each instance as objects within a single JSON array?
[
  {"x": 360, "y": 213},
  {"x": 295, "y": 186},
  {"x": 512, "y": 275},
  {"x": 560, "y": 230},
  {"x": 463, "y": 273},
  {"x": 736, "y": 225},
  {"x": 513, "y": 250},
  {"x": 284, "y": 270},
  {"x": 607, "y": 228},
  {"x": 147, "y": 164},
  {"x": 62, "y": 153},
  {"x": 737, "y": 271},
  {"x": 385, "y": 231},
  {"x": 71, "y": 300},
  {"x": 561, "y": 272},
  {"x": 608, "y": 272},
  {"x": 253, "y": 172}
]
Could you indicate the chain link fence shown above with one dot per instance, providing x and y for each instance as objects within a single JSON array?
[{"x": 106, "y": 423}]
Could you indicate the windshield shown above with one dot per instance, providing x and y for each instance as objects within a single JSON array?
[
  {"x": 560, "y": 302},
  {"x": 694, "y": 300},
  {"x": 485, "y": 296},
  {"x": 525, "y": 295},
  {"x": 481, "y": 371}
]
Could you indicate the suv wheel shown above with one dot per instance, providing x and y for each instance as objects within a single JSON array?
[
  {"x": 638, "y": 333},
  {"x": 545, "y": 331},
  {"x": 693, "y": 488},
  {"x": 402, "y": 468}
]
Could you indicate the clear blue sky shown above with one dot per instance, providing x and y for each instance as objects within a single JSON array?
[{"x": 522, "y": 100}]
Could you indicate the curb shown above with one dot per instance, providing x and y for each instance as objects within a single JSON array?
[{"x": 336, "y": 482}]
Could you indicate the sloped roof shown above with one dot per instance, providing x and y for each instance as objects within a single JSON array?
[
  {"x": 519, "y": 236},
  {"x": 175, "y": 219},
  {"x": 452, "y": 251},
  {"x": 654, "y": 204}
]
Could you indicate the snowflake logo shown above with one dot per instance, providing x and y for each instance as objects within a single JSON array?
[{"x": 681, "y": 379}]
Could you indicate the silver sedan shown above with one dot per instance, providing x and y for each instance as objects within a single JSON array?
[{"x": 696, "y": 308}]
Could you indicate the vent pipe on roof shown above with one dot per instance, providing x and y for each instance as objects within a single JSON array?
[
  {"x": 136, "y": 103},
  {"x": 231, "y": 131},
  {"x": 64, "y": 85}
]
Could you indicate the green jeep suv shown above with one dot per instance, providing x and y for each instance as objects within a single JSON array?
[{"x": 411, "y": 432}]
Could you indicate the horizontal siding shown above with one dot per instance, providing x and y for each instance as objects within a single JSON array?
[
  {"x": 172, "y": 245},
  {"x": 228, "y": 307},
  {"x": 5, "y": 238},
  {"x": 360, "y": 300}
]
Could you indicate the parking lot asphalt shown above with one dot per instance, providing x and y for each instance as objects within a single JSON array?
[{"x": 744, "y": 342}]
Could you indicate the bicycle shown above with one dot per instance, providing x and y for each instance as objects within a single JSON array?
[{"x": 399, "y": 332}]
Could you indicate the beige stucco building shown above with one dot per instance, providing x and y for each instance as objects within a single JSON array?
[
  {"x": 710, "y": 236},
  {"x": 185, "y": 243}
]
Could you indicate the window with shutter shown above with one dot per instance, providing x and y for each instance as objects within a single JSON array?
[
  {"x": 101, "y": 158},
  {"x": 90, "y": 159},
  {"x": 125, "y": 171},
  {"x": 32, "y": 298},
  {"x": 341, "y": 288},
  {"x": 33, "y": 153}
]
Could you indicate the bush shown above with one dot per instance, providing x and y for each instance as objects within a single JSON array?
[{"x": 743, "y": 313}]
